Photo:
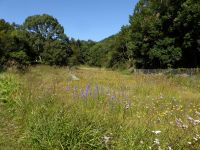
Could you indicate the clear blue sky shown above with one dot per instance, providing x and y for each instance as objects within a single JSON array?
[{"x": 82, "y": 19}]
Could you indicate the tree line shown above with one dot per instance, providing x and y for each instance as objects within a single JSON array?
[
  {"x": 161, "y": 34},
  {"x": 39, "y": 40}
]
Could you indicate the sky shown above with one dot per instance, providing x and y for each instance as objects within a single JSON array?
[{"x": 82, "y": 19}]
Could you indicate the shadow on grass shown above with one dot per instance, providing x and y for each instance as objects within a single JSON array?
[{"x": 2, "y": 69}]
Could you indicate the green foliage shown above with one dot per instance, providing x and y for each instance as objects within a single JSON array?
[
  {"x": 100, "y": 54},
  {"x": 8, "y": 85},
  {"x": 164, "y": 54},
  {"x": 4, "y": 26},
  {"x": 40, "y": 39},
  {"x": 55, "y": 53},
  {"x": 52, "y": 126},
  {"x": 49, "y": 44},
  {"x": 44, "y": 25},
  {"x": 81, "y": 51},
  {"x": 187, "y": 26},
  {"x": 161, "y": 34},
  {"x": 13, "y": 48},
  {"x": 120, "y": 55},
  {"x": 164, "y": 34}
]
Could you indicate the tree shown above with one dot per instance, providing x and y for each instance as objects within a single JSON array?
[
  {"x": 48, "y": 42},
  {"x": 187, "y": 26},
  {"x": 145, "y": 30},
  {"x": 56, "y": 53},
  {"x": 164, "y": 54},
  {"x": 121, "y": 56},
  {"x": 13, "y": 49},
  {"x": 46, "y": 26}
]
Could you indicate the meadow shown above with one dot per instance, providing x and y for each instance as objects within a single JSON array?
[{"x": 90, "y": 108}]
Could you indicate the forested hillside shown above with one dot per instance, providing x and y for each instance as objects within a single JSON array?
[{"x": 161, "y": 34}]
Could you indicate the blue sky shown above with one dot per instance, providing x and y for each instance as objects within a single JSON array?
[{"x": 82, "y": 19}]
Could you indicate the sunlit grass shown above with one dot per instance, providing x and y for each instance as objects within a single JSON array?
[{"x": 104, "y": 109}]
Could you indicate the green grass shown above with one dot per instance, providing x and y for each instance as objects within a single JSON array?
[{"x": 45, "y": 109}]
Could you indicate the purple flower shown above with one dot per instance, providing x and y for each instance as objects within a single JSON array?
[
  {"x": 82, "y": 94},
  {"x": 113, "y": 97},
  {"x": 75, "y": 92},
  {"x": 87, "y": 90},
  {"x": 75, "y": 88},
  {"x": 67, "y": 88}
]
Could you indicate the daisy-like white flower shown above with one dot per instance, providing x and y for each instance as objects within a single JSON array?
[
  {"x": 193, "y": 121},
  {"x": 127, "y": 106},
  {"x": 196, "y": 137},
  {"x": 189, "y": 143},
  {"x": 106, "y": 139},
  {"x": 170, "y": 148},
  {"x": 141, "y": 142},
  {"x": 156, "y": 141},
  {"x": 156, "y": 132},
  {"x": 180, "y": 124}
]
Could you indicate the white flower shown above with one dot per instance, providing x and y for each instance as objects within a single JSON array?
[
  {"x": 193, "y": 121},
  {"x": 180, "y": 124},
  {"x": 189, "y": 143},
  {"x": 106, "y": 139},
  {"x": 195, "y": 138},
  {"x": 156, "y": 132},
  {"x": 198, "y": 113},
  {"x": 141, "y": 142},
  {"x": 127, "y": 106},
  {"x": 170, "y": 148},
  {"x": 156, "y": 141}
]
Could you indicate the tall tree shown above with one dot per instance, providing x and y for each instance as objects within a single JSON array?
[
  {"x": 47, "y": 39},
  {"x": 46, "y": 26}
]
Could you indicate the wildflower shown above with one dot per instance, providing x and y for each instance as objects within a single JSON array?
[
  {"x": 193, "y": 121},
  {"x": 196, "y": 138},
  {"x": 170, "y": 148},
  {"x": 127, "y": 106},
  {"x": 198, "y": 113},
  {"x": 150, "y": 147},
  {"x": 156, "y": 132},
  {"x": 141, "y": 142},
  {"x": 82, "y": 93},
  {"x": 75, "y": 88},
  {"x": 106, "y": 139},
  {"x": 156, "y": 141},
  {"x": 75, "y": 91},
  {"x": 180, "y": 124},
  {"x": 189, "y": 143},
  {"x": 67, "y": 88},
  {"x": 87, "y": 90},
  {"x": 113, "y": 97}
]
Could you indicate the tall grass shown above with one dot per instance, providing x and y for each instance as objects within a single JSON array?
[{"x": 46, "y": 109}]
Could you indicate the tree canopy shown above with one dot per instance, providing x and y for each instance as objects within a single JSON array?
[{"x": 160, "y": 34}]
